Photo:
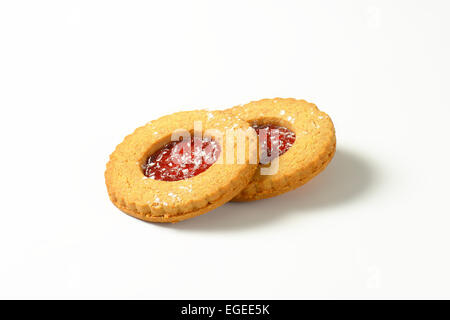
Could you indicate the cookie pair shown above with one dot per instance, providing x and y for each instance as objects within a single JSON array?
[{"x": 188, "y": 163}]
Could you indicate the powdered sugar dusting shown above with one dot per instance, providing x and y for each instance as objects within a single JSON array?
[{"x": 188, "y": 188}]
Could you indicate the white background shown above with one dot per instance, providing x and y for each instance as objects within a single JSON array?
[{"x": 77, "y": 76}]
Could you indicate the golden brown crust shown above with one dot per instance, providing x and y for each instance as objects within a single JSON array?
[
  {"x": 311, "y": 152},
  {"x": 162, "y": 201}
]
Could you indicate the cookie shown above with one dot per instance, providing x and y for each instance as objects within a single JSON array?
[
  {"x": 150, "y": 177},
  {"x": 307, "y": 144}
]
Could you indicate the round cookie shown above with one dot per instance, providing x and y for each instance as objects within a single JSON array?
[
  {"x": 310, "y": 153},
  {"x": 135, "y": 189}
]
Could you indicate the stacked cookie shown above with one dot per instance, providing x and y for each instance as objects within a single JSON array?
[{"x": 188, "y": 163}]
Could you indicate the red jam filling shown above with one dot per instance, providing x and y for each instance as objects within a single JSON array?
[
  {"x": 275, "y": 144},
  {"x": 179, "y": 160}
]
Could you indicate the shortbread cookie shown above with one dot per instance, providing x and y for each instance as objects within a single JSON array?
[
  {"x": 149, "y": 177},
  {"x": 307, "y": 144}
]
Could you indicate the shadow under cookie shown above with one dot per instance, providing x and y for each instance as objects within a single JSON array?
[{"x": 347, "y": 178}]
